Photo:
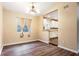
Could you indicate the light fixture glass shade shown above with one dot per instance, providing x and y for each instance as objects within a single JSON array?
[{"x": 33, "y": 10}]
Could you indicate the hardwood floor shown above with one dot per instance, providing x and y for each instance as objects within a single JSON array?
[{"x": 35, "y": 49}]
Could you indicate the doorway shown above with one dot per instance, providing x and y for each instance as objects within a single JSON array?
[{"x": 51, "y": 25}]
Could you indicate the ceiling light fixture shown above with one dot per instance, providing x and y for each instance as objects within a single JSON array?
[{"x": 33, "y": 10}]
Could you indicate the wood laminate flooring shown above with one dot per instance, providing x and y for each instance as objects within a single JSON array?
[{"x": 36, "y": 48}]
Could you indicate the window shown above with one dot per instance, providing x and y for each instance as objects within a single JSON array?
[
  {"x": 18, "y": 25},
  {"x": 18, "y": 28},
  {"x": 23, "y": 25},
  {"x": 25, "y": 29}
]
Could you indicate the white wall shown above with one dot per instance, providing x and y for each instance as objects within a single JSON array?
[
  {"x": 68, "y": 26},
  {"x": 1, "y": 28},
  {"x": 43, "y": 35},
  {"x": 67, "y": 32},
  {"x": 78, "y": 26},
  {"x": 11, "y": 36}
]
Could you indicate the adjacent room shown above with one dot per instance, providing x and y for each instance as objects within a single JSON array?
[{"x": 39, "y": 29}]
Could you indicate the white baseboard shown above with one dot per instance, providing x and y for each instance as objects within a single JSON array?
[
  {"x": 19, "y": 42},
  {"x": 1, "y": 50},
  {"x": 43, "y": 41},
  {"x": 74, "y": 51}
]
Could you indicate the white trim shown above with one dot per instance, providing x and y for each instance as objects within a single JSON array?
[
  {"x": 44, "y": 41},
  {"x": 68, "y": 49},
  {"x": 1, "y": 50},
  {"x": 19, "y": 42}
]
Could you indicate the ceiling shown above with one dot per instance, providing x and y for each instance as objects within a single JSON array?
[{"x": 23, "y": 7}]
